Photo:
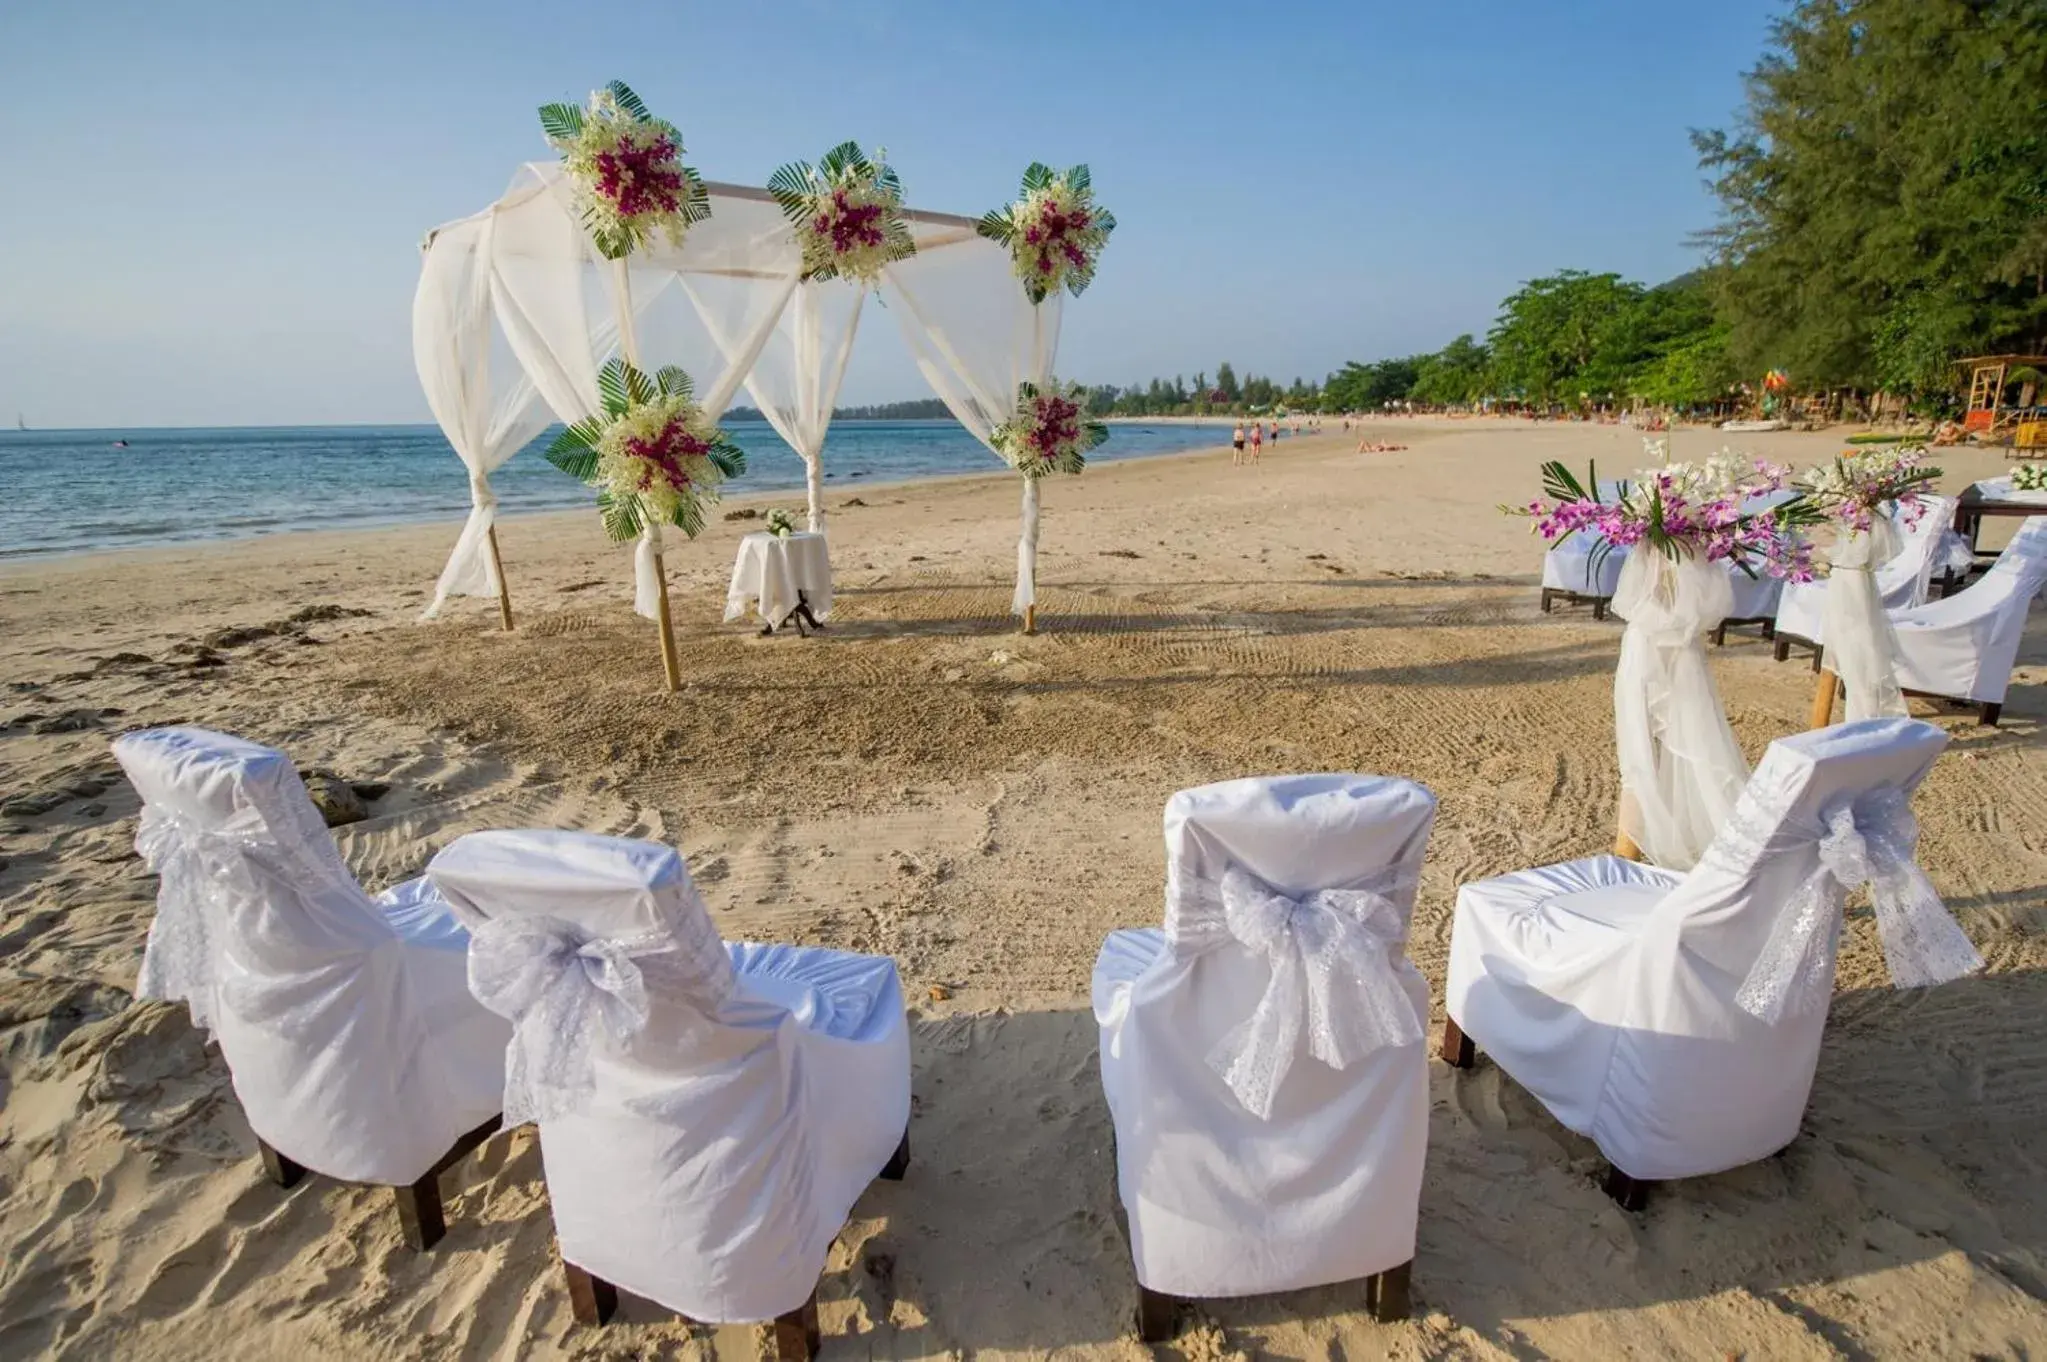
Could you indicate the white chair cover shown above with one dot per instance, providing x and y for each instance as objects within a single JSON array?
[
  {"x": 1263, "y": 1055},
  {"x": 345, "y": 1021},
  {"x": 708, "y": 1113},
  {"x": 1681, "y": 769},
  {"x": 1965, "y": 645},
  {"x": 1902, "y": 579},
  {"x": 1676, "y": 1020}
]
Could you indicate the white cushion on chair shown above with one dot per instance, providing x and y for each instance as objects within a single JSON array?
[
  {"x": 1222, "y": 1202},
  {"x": 346, "y": 1022},
  {"x": 719, "y": 1147},
  {"x": 1608, "y": 989}
]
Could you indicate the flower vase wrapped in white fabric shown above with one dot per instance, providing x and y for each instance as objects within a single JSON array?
[
  {"x": 1965, "y": 645},
  {"x": 346, "y": 1021},
  {"x": 1676, "y": 1019},
  {"x": 1681, "y": 769},
  {"x": 708, "y": 1113},
  {"x": 1263, "y": 1054},
  {"x": 1862, "y": 648}
]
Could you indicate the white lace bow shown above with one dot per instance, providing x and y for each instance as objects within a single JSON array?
[
  {"x": 1871, "y": 842},
  {"x": 557, "y": 984},
  {"x": 198, "y": 869},
  {"x": 1332, "y": 956}
]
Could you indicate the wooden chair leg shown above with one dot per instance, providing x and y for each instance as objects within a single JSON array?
[
  {"x": 419, "y": 1212},
  {"x": 1818, "y": 652},
  {"x": 1547, "y": 596},
  {"x": 1782, "y": 650},
  {"x": 899, "y": 1162},
  {"x": 1720, "y": 634},
  {"x": 794, "y": 1337},
  {"x": 1988, "y": 715},
  {"x": 592, "y": 1300},
  {"x": 1630, "y": 1194},
  {"x": 1769, "y": 630},
  {"x": 1157, "y": 1315},
  {"x": 278, "y": 1168},
  {"x": 1458, "y": 1051},
  {"x": 1387, "y": 1293},
  {"x": 1599, "y": 609}
]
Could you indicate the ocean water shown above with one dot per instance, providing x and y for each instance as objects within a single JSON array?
[{"x": 67, "y": 491}]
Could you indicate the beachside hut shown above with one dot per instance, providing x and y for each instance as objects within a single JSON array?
[
  {"x": 517, "y": 311},
  {"x": 1990, "y": 378}
]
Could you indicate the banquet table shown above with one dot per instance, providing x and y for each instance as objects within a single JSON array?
[
  {"x": 781, "y": 578},
  {"x": 1994, "y": 498}
]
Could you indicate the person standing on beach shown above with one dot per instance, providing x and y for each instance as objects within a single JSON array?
[
  {"x": 1257, "y": 439},
  {"x": 1237, "y": 439}
]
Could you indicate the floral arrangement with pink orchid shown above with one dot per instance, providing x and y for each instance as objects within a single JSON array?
[
  {"x": 848, "y": 214},
  {"x": 627, "y": 169},
  {"x": 1054, "y": 230},
  {"x": 654, "y": 455},
  {"x": 1050, "y": 431},
  {"x": 1681, "y": 510},
  {"x": 1858, "y": 485}
]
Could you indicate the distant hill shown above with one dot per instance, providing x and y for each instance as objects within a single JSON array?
[{"x": 923, "y": 409}]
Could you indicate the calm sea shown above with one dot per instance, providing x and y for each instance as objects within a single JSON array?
[{"x": 65, "y": 491}]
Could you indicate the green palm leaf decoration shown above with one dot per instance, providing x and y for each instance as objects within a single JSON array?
[
  {"x": 627, "y": 169},
  {"x": 1054, "y": 231},
  {"x": 653, "y": 454}
]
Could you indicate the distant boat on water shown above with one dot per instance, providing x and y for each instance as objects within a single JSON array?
[{"x": 120, "y": 444}]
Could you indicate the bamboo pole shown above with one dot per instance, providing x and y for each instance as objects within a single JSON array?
[
  {"x": 1823, "y": 698},
  {"x": 1031, "y": 619},
  {"x": 1625, "y": 848},
  {"x": 671, "y": 662},
  {"x": 497, "y": 565},
  {"x": 629, "y": 348}
]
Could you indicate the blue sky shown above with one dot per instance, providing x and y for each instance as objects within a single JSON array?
[{"x": 209, "y": 212}]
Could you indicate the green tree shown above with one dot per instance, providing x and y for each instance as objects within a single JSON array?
[
  {"x": 1555, "y": 337},
  {"x": 1453, "y": 375},
  {"x": 1884, "y": 191},
  {"x": 1226, "y": 383}
]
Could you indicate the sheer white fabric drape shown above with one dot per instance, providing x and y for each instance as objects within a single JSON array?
[
  {"x": 1862, "y": 647},
  {"x": 488, "y": 417},
  {"x": 795, "y": 380},
  {"x": 1681, "y": 769},
  {"x": 563, "y": 307},
  {"x": 975, "y": 336}
]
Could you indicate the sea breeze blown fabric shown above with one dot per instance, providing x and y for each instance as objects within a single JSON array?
[
  {"x": 976, "y": 337},
  {"x": 1263, "y": 1053},
  {"x": 485, "y": 405},
  {"x": 1676, "y": 1019},
  {"x": 1681, "y": 768},
  {"x": 1965, "y": 645},
  {"x": 708, "y": 1113},
  {"x": 1862, "y": 648},
  {"x": 345, "y": 1021}
]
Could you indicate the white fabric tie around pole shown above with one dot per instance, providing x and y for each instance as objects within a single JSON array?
[
  {"x": 486, "y": 423},
  {"x": 1681, "y": 768},
  {"x": 976, "y": 336},
  {"x": 1862, "y": 647}
]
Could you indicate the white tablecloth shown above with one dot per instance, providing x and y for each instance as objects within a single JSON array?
[
  {"x": 2001, "y": 489},
  {"x": 771, "y": 569}
]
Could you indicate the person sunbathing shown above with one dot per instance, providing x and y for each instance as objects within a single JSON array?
[{"x": 1378, "y": 447}]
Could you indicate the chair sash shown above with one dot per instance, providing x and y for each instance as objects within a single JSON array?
[
  {"x": 1332, "y": 956},
  {"x": 1862, "y": 647},
  {"x": 198, "y": 868},
  {"x": 1873, "y": 842},
  {"x": 558, "y": 985}
]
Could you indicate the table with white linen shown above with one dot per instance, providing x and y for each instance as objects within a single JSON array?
[
  {"x": 1991, "y": 497},
  {"x": 775, "y": 575}
]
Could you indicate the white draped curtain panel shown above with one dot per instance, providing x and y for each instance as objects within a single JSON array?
[
  {"x": 1862, "y": 647},
  {"x": 975, "y": 336},
  {"x": 485, "y": 405}
]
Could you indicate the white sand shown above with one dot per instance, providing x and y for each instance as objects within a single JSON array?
[{"x": 984, "y": 807}]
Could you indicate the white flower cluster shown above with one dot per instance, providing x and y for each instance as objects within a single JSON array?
[
  {"x": 659, "y": 452},
  {"x": 2030, "y": 477},
  {"x": 780, "y": 523},
  {"x": 847, "y": 231}
]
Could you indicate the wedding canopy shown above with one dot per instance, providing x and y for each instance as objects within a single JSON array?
[{"x": 517, "y": 311}]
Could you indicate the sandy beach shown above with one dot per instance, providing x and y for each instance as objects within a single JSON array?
[{"x": 923, "y": 781}]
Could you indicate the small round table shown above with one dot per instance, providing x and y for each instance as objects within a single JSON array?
[{"x": 781, "y": 577}]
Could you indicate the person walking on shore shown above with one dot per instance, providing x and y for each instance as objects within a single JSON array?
[
  {"x": 1257, "y": 439},
  {"x": 1237, "y": 439}
]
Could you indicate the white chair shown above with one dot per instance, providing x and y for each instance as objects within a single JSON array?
[
  {"x": 346, "y": 1021},
  {"x": 1264, "y": 1056},
  {"x": 708, "y": 1113},
  {"x": 1676, "y": 1019},
  {"x": 1963, "y": 647},
  {"x": 1902, "y": 582}
]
